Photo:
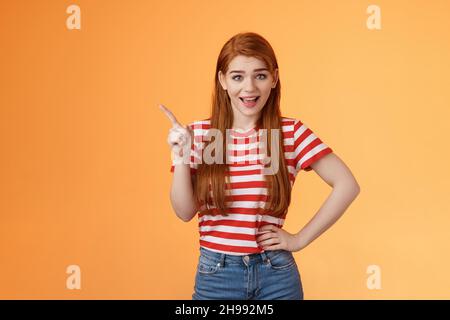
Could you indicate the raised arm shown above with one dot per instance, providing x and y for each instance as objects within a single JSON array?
[{"x": 181, "y": 192}]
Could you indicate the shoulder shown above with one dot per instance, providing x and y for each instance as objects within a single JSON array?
[
  {"x": 289, "y": 124},
  {"x": 200, "y": 129},
  {"x": 200, "y": 124}
]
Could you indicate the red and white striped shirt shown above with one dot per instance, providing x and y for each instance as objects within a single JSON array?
[{"x": 236, "y": 233}]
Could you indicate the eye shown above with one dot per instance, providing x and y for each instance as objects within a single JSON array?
[{"x": 260, "y": 76}]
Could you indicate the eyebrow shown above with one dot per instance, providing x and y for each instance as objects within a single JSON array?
[{"x": 256, "y": 70}]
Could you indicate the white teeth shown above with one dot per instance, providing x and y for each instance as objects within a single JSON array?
[{"x": 248, "y": 100}]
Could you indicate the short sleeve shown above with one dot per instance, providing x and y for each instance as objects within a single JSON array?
[
  {"x": 195, "y": 155},
  {"x": 308, "y": 148}
]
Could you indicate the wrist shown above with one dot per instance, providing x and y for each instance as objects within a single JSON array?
[
  {"x": 179, "y": 159},
  {"x": 300, "y": 241}
]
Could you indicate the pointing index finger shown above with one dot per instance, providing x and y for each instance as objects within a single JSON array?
[{"x": 170, "y": 115}]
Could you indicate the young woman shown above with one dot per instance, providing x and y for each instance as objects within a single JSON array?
[{"x": 244, "y": 251}]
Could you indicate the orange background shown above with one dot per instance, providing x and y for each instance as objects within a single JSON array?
[{"x": 85, "y": 166}]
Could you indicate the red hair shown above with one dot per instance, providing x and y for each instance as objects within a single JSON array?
[{"x": 279, "y": 188}]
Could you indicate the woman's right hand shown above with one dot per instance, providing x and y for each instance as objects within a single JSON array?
[{"x": 180, "y": 137}]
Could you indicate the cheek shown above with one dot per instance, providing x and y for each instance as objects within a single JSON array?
[
  {"x": 267, "y": 89},
  {"x": 233, "y": 93},
  {"x": 266, "y": 94}
]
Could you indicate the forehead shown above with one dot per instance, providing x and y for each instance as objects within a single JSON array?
[{"x": 246, "y": 63}]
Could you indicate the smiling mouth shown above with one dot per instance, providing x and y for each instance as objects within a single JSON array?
[{"x": 256, "y": 99}]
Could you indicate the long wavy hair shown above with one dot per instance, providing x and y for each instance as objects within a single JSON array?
[{"x": 211, "y": 180}]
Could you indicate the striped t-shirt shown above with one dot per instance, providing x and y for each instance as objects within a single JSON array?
[{"x": 247, "y": 193}]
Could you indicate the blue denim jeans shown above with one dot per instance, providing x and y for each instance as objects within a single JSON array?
[{"x": 270, "y": 275}]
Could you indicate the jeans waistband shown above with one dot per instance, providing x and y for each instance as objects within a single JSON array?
[{"x": 222, "y": 257}]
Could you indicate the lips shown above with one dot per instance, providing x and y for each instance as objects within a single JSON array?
[
  {"x": 248, "y": 99},
  {"x": 249, "y": 103}
]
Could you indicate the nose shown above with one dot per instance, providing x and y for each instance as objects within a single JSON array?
[{"x": 249, "y": 86}]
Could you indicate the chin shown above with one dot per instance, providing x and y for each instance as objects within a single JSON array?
[{"x": 250, "y": 112}]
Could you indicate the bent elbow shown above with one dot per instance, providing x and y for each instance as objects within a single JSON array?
[
  {"x": 350, "y": 187},
  {"x": 185, "y": 216},
  {"x": 356, "y": 189},
  {"x": 184, "y": 219}
]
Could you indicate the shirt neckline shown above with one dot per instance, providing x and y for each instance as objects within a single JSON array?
[{"x": 243, "y": 132}]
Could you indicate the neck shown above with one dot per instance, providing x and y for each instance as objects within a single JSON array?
[{"x": 245, "y": 123}]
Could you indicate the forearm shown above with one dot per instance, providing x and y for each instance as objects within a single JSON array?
[
  {"x": 181, "y": 194},
  {"x": 332, "y": 209}
]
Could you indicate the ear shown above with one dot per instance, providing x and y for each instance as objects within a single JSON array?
[
  {"x": 275, "y": 78},
  {"x": 221, "y": 78}
]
